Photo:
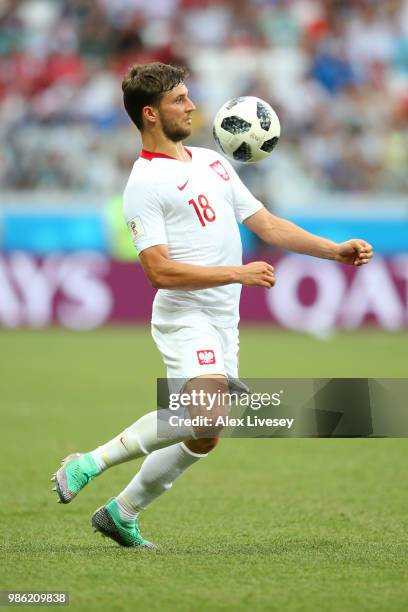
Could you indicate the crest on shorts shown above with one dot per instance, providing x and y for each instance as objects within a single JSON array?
[
  {"x": 206, "y": 357},
  {"x": 218, "y": 167}
]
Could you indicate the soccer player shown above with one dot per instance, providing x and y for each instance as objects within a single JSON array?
[{"x": 182, "y": 206}]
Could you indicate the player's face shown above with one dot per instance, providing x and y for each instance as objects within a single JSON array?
[{"x": 175, "y": 112}]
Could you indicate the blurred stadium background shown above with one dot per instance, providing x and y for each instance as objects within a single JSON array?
[
  {"x": 325, "y": 518},
  {"x": 337, "y": 74}
]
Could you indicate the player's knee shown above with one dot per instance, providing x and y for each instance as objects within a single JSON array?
[{"x": 203, "y": 445}]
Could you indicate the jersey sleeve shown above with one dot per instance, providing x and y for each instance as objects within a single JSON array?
[
  {"x": 245, "y": 204},
  {"x": 144, "y": 216}
]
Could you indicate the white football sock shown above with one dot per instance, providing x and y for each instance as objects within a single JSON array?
[
  {"x": 157, "y": 474},
  {"x": 140, "y": 439}
]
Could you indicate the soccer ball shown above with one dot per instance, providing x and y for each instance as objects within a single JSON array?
[{"x": 246, "y": 129}]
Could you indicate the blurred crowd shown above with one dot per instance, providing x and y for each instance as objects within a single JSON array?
[{"x": 335, "y": 70}]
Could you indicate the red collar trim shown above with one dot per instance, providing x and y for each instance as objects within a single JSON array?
[{"x": 151, "y": 155}]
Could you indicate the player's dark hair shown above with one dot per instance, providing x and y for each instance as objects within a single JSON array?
[{"x": 145, "y": 85}]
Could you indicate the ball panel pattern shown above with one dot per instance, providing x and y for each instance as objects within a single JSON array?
[
  {"x": 235, "y": 125},
  {"x": 243, "y": 153},
  {"x": 264, "y": 116},
  {"x": 269, "y": 145},
  {"x": 217, "y": 140}
]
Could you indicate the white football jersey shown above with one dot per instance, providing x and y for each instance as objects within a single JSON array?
[{"x": 193, "y": 208}]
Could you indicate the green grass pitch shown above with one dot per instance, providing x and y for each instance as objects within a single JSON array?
[{"x": 259, "y": 525}]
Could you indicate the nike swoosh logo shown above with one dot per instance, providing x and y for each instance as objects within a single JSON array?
[
  {"x": 121, "y": 440},
  {"x": 182, "y": 186}
]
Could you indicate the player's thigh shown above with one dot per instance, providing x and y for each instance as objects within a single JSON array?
[
  {"x": 209, "y": 395},
  {"x": 194, "y": 357},
  {"x": 209, "y": 408}
]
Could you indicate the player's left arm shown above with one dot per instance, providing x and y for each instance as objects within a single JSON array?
[{"x": 284, "y": 234}]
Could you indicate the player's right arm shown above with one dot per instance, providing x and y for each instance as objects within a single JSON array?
[
  {"x": 164, "y": 273},
  {"x": 144, "y": 214}
]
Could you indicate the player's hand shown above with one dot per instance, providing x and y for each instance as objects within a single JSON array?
[
  {"x": 354, "y": 252},
  {"x": 258, "y": 274}
]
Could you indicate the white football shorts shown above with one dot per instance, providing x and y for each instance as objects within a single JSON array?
[{"x": 197, "y": 349}]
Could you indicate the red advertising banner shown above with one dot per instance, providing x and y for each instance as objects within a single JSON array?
[{"x": 87, "y": 290}]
